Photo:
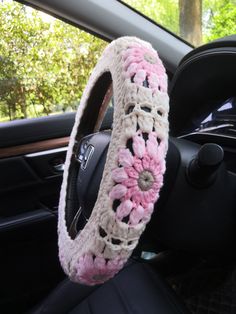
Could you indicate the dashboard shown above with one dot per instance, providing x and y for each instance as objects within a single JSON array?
[{"x": 219, "y": 127}]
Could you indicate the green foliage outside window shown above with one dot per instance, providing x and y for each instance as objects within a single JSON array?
[
  {"x": 44, "y": 63},
  {"x": 218, "y": 16},
  {"x": 223, "y": 21}
]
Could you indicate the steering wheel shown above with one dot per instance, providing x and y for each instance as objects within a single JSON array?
[
  {"x": 99, "y": 227},
  {"x": 112, "y": 179}
]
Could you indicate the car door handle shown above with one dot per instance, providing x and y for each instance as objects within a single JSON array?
[{"x": 59, "y": 167}]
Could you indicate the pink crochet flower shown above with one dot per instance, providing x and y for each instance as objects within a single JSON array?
[
  {"x": 94, "y": 270},
  {"x": 139, "y": 178},
  {"x": 142, "y": 64}
]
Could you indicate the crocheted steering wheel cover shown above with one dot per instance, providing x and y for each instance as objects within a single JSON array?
[{"x": 135, "y": 164}]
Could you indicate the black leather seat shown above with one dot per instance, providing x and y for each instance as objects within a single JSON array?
[{"x": 137, "y": 289}]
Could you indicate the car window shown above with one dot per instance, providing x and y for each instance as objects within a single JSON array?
[
  {"x": 196, "y": 21},
  {"x": 44, "y": 62}
]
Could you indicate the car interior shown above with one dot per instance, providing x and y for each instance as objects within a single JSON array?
[{"x": 185, "y": 259}]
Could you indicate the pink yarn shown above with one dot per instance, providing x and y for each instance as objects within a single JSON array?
[
  {"x": 136, "y": 215},
  {"x": 119, "y": 175},
  {"x": 125, "y": 157},
  {"x": 137, "y": 202},
  {"x": 140, "y": 77},
  {"x": 131, "y": 172},
  {"x": 138, "y": 165},
  {"x": 118, "y": 191},
  {"x": 93, "y": 270},
  {"x": 148, "y": 211},
  {"x": 124, "y": 209},
  {"x": 141, "y": 63},
  {"x": 152, "y": 145},
  {"x": 138, "y": 145}
]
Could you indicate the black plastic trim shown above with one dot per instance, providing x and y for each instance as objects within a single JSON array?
[{"x": 27, "y": 218}]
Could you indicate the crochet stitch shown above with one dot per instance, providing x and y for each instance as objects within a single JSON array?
[{"x": 135, "y": 164}]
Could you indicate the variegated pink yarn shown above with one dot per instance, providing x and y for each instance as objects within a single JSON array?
[
  {"x": 140, "y": 63},
  {"x": 133, "y": 173},
  {"x": 138, "y": 178},
  {"x": 95, "y": 270}
]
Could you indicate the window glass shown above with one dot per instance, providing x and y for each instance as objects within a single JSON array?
[
  {"x": 44, "y": 62},
  {"x": 196, "y": 21}
]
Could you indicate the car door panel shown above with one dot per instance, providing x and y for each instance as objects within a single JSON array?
[{"x": 32, "y": 153}]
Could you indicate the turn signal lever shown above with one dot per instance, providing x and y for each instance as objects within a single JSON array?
[
  {"x": 196, "y": 209},
  {"x": 202, "y": 170}
]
